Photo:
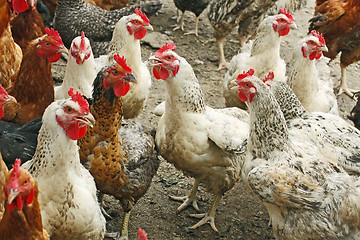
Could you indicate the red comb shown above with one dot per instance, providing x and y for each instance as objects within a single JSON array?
[
  {"x": 288, "y": 14},
  {"x": 142, "y": 234},
  {"x": 319, "y": 36},
  {"x": 245, "y": 74},
  {"x": 76, "y": 97},
  {"x": 82, "y": 43},
  {"x": 16, "y": 168},
  {"x": 54, "y": 34},
  {"x": 268, "y": 77},
  {"x": 142, "y": 15},
  {"x": 166, "y": 47},
  {"x": 122, "y": 62}
]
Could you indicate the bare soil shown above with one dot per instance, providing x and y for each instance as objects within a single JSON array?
[{"x": 240, "y": 215}]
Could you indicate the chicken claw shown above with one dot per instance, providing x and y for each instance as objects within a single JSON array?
[
  {"x": 190, "y": 198},
  {"x": 206, "y": 219}
]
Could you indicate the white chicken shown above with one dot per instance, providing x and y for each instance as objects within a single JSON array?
[
  {"x": 126, "y": 42},
  {"x": 80, "y": 70},
  {"x": 67, "y": 198},
  {"x": 314, "y": 91},
  {"x": 263, "y": 57},
  {"x": 307, "y": 195},
  {"x": 334, "y": 135},
  {"x": 196, "y": 138}
]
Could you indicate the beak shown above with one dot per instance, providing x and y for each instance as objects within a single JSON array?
[
  {"x": 82, "y": 57},
  {"x": 88, "y": 119},
  {"x": 155, "y": 61},
  {"x": 12, "y": 195},
  {"x": 10, "y": 99},
  {"x": 323, "y": 48},
  {"x": 293, "y": 25},
  {"x": 63, "y": 49},
  {"x": 235, "y": 87},
  {"x": 149, "y": 27},
  {"x": 130, "y": 78}
]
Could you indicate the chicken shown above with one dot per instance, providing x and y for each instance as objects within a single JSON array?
[
  {"x": 195, "y": 137},
  {"x": 44, "y": 13},
  {"x": 108, "y": 4},
  {"x": 334, "y": 135},
  {"x": 307, "y": 195},
  {"x": 27, "y": 25},
  {"x": 121, "y": 156},
  {"x": 5, "y": 99},
  {"x": 315, "y": 93},
  {"x": 3, "y": 172},
  {"x": 355, "y": 112},
  {"x": 68, "y": 201},
  {"x": 224, "y": 15},
  {"x": 34, "y": 87},
  {"x": 126, "y": 42},
  {"x": 99, "y": 32},
  {"x": 80, "y": 70},
  {"x": 10, "y": 53},
  {"x": 22, "y": 217},
  {"x": 263, "y": 55},
  {"x": 338, "y": 21},
  {"x": 197, "y": 7}
]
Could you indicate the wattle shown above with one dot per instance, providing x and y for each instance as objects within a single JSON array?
[
  {"x": 242, "y": 97},
  {"x": 75, "y": 131},
  {"x": 161, "y": 73},
  {"x": 20, "y": 6},
  {"x": 284, "y": 31},
  {"x": 1, "y": 112},
  {"x": 54, "y": 57},
  {"x": 121, "y": 89},
  {"x": 140, "y": 34}
]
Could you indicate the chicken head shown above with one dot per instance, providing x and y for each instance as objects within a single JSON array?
[
  {"x": 138, "y": 24},
  {"x": 80, "y": 48},
  {"x": 283, "y": 22},
  {"x": 247, "y": 91},
  {"x": 313, "y": 46},
  {"x": 165, "y": 62},
  {"x": 50, "y": 46}
]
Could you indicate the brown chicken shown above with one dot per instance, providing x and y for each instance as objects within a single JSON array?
[
  {"x": 27, "y": 26},
  {"x": 10, "y": 52},
  {"x": 22, "y": 217},
  {"x": 338, "y": 21},
  {"x": 3, "y": 172},
  {"x": 34, "y": 87},
  {"x": 121, "y": 156}
]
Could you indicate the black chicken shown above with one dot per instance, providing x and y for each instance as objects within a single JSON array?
[
  {"x": 74, "y": 16},
  {"x": 355, "y": 112},
  {"x": 197, "y": 7}
]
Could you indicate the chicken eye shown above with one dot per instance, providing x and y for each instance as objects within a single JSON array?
[
  {"x": 47, "y": 44},
  {"x": 26, "y": 181},
  {"x": 311, "y": 42},
  {"x": 115, "y": 72},
  {"x": 247, "y": 85},
  {"x": 136, "y": 22},
  {"x": 68, "y": 109},
  {"x": 169, "y": 57}
]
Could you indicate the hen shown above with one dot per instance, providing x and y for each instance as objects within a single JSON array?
[
  {"x": 334, "y": 135},
  {"x": 263, "y": 56},
  {"x": 195, "y": 137},
  {"x": 126, "y": 42},
  {"x": 338, "y": 21},
  {"x": 80, "y": 70},
  {"x": 315, "y": 91},
  {"x": 10, "y": 53},
  {"x": 68, "y": 201},
  {"x": 34, "y": 87},
  {"x": 22, "y": 217},
  {"x": 307, "y": 195},
  {"x": 69, "y": 25},
  {"x": 355, "y": 112},
  {"x": 120, "y": 156},
  {"x": 224, "y": 15},
  {"x": 197, "y": 7},
  {"x": 27, "y": 25},
  {"x": 3, "y": 172}
]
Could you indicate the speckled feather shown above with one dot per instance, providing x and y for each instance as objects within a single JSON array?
[{"x": 74, "y": 16}]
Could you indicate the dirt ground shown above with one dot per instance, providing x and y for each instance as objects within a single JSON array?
[{"x": 240, "y": 215}]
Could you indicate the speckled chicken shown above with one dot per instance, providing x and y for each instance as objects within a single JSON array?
[
  {"x": 120, "y": 155},
  {"x": 68, "y": 201},
  {"x": 197, "y": 7},
  {"x": 204, "y": 143},
  {"x": 307, "y": 195},
  {"x": 74, "y": 16}
]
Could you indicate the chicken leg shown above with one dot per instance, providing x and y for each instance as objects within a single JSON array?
[
  {"x": 343, "y": 87},
  {"x": 222, "y": 62},
  {"x": 209, "y": 216},
  {"x": 190, "y": 198},
  {"x": 181, "y": 23},
  {"x": 195, "y": 31}
]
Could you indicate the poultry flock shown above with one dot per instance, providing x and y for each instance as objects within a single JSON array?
[{"x": 63, "y": 148}]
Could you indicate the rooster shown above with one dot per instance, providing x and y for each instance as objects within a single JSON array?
[
  {"x": 316, "y": 94},
  {"x": 195, "y": 137},
  {"x": 338, "y": 21},
  {"x": 27, "y": 25},
  {"x": 197, "y": 7},
  {"x": 263, "y": 57},
  {"x": 126, "y": 42},
  {"x": 67, "y": 21},
  {"x": 121, "y": 156},
  {"x": 80, "y": 70},
  {"x": 333, "y": 134},
  {"x": 307, "y": 195},
  {"x": 34, "y": 87},
  {"x": 10, "y": 53},
  {"x": 22, "y": 217},
  {"x": 68, "y": 201}
]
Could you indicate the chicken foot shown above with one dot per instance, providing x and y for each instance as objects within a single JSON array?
[
  {"x": 101, "y": 201},
  {"x": 208, "y": 217},
  {"x": 124, "y": 234},
  {"x": 180, "y": 25},
  {"x": 196, "y": 30},
  {"x": 190, "y": 198},
  {"x": 343, "y": 87},
  {"x": 222, "y": 61}
]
